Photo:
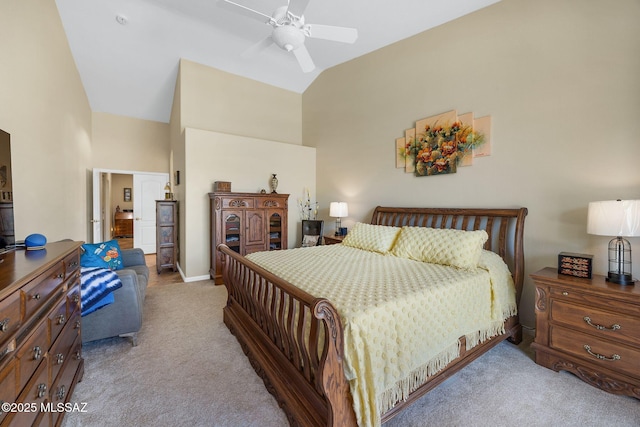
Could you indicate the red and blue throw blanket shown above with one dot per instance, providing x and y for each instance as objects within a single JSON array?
[{"x": 96, "y": 288}]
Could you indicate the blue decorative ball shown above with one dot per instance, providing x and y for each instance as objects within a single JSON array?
[{"x": 35, "y": 241}]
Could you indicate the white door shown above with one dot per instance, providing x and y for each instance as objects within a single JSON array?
[
  {"x": 147, "y": 188},
  {"x": 97, "y": 220}
]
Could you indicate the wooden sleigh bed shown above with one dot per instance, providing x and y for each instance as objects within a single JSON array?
[{"x": 295, "y": 341}]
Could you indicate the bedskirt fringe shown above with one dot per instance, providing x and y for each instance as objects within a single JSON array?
[{"x": 403, "y": 388}]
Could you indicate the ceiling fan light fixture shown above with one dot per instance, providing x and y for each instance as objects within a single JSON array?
[{"x": 288, "y": 37}]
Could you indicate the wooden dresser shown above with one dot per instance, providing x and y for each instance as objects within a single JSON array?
[
  {"x": 247, "y": 223},
  {"x": 40, "y": 344},
  {"x": 166, "y": 235},
  {"x": 123, "y": 224},
  {"x": 589, "y": 327}
]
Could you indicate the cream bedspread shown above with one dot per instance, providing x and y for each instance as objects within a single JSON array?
[{"x": 401, "y": 318}]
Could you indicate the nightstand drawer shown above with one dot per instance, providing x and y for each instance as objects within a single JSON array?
[
  {"x": 614, "y": 326},
  {"x": 604, "y": 353}
]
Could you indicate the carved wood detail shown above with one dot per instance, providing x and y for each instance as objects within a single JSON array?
[
  {"x": 237, "y": 203},
  {"x": 598, "y": 379},
  {"x": 541, "y": 299}
]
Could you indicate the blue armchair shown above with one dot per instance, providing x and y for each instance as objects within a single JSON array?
[{"x": 123, "y": 317}]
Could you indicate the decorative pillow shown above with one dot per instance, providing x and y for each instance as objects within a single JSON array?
[
  {"x": 369, "y": 237},
  {"x": 96, "y": 288},
  {"x": 308, "y": 241},
  {"x": 104, "y": 255},
  {"x": 456, "y": 248}
]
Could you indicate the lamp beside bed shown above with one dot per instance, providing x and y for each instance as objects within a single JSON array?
[{"x": 339, "y": 210}]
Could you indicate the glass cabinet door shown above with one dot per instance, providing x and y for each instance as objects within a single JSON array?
[
  {"x": 232, "y": 232},
  {"x": 275, "y": 232}
]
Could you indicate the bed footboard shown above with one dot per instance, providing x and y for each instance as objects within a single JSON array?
[{"x": 293, "y": 340}]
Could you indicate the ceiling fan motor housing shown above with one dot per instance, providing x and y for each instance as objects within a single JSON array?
[{"x": 288, "y": 37}]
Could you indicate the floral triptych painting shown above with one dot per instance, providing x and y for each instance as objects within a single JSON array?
[{"x": 439, "y": 144}]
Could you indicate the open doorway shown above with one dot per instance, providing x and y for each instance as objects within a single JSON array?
[
  {"x": 120, "y": 209},
  {"x": 124, "y": 207}
]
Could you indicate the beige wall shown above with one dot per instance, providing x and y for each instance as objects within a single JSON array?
[
  {"x": 45, "y": 109},
  {"x": 248, "y": 163},
  {"x": 215, "y": 100},
  {"x": 129, "y": 144},
  {"x": 560, "y": 81},
  {"x": 231, "y": 120}
]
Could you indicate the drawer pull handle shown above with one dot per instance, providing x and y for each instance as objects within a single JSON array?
[
  {"x": 75, "y": 298},
  {"x": 61, "y": 392},
  {"x": 37, "y": 352},
  {"x": 61, "y": 319},
  {"x": 77, "y": 324},
  {"x": 42, "y": 390},
  {"x": 59, "y": 358},
  {"x": 565, "y": 293},
  {"x": 613, "y": 358},
  {"x": 35, "y": 296},
  {"x": 613, "y": 327},
  {"x": 4, "y": 325},
  {"x": 60, "y": 276}
]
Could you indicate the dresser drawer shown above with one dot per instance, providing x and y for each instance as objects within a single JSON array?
[
  {"x": 62, "y": 387},
  {"x": 60, "y": 350},
  {"x": 40, "y": 289},
  {"x": 71, "y": 265},
  {"x": 10, "y": 319},
  {"x": 602, "y": 352},
  {"x": 35, "y": 394},
  {"x": 614, "y": 326},
  {"x": 73, "y": 298},
  {"x": 8, "y": 386},
  {"x": 32, "y": 353},
  {"x": 57, "y": 319}
]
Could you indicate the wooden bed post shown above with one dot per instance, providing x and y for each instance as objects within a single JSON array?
[{"x": 334, "y": 384}]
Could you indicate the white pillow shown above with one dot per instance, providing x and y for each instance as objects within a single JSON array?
[
  {"x": 456, "y": 248},
  {"x": 369, "y": 237}
]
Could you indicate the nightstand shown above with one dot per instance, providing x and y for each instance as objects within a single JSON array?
[
  {"x": 589, "y": 327},
  {"x": 332, "y": 240}
]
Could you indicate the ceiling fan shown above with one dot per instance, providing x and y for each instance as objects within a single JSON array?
[{"x": 290, "y": 30}]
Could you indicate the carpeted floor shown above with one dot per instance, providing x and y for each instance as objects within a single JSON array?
[{"x": 188, "y": 370}]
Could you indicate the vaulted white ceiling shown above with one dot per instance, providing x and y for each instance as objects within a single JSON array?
[{"x": 130, "y": 69}]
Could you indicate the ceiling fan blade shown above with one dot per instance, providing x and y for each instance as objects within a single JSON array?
[
  {"x": 244, "y": 10},
  {"x": 329, "y": 32},
  {"x": 297, "y": 7},
  {"x": 304, "y": 59},
  {"x": 254, "y": 50}
]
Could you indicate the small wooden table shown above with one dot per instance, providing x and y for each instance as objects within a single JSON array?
[{"x": 332, "y": 240}]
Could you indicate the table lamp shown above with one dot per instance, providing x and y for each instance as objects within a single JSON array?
[
  {"x": 338, "y": 210},
  {"x": 619, "y": 218}
]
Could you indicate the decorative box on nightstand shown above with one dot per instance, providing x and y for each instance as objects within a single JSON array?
[{"x": 589, "y": 327}]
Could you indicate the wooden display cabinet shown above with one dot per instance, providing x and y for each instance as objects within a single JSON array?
[{"x": 247, "y": 223}]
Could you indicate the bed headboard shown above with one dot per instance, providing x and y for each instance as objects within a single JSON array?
[{"x": 505, "y": 228}]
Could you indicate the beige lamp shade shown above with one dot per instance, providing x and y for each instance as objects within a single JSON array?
[
  {"x": 614, "y": 218},
  {"x": 338, "y": 210}
]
